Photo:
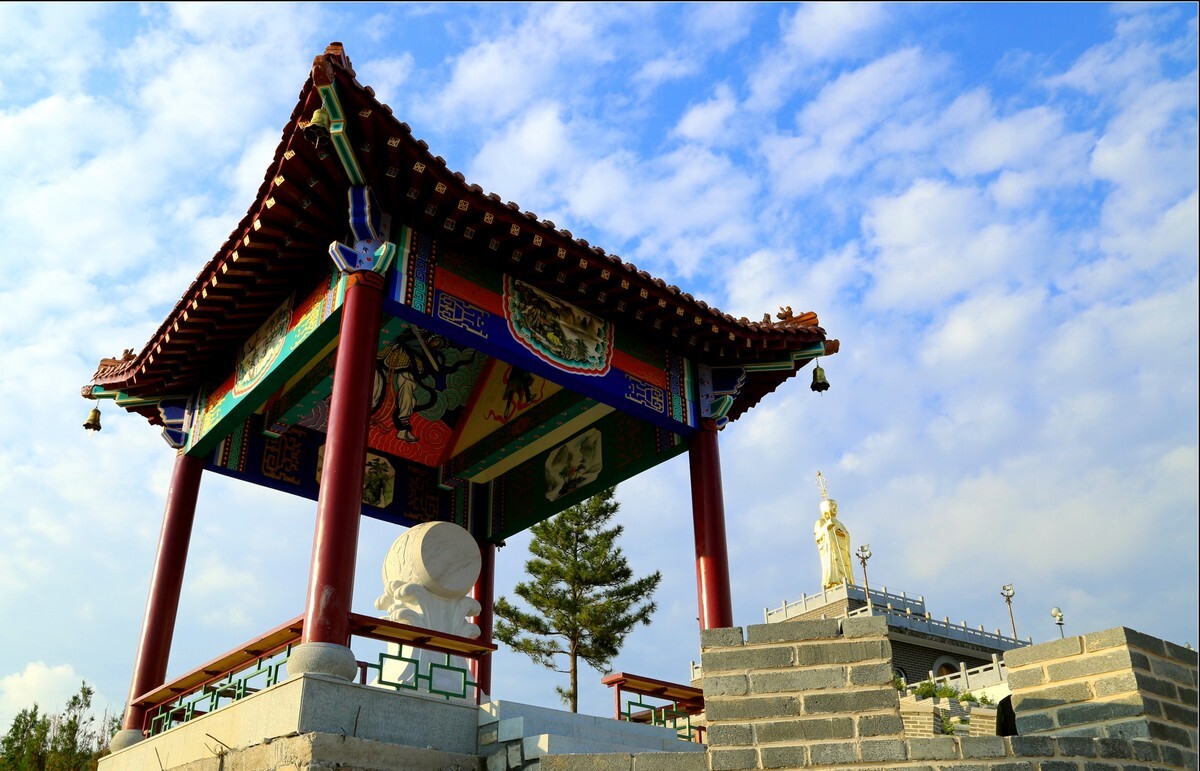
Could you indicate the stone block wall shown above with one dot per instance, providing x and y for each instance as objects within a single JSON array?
[
  {"x": 1117, "y": 684},
  {"x": 817, "y": 694}
]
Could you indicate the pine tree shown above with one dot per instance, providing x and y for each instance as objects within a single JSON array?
[{"x": 584, "y": 597}]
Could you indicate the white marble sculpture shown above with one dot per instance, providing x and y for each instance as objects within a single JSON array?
[{"x": 426, "y": 576}]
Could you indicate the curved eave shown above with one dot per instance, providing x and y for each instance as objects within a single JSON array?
[{"x": 280, "y": 246}]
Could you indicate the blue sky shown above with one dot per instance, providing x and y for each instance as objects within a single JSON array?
[{"x": 992, "y": 206}]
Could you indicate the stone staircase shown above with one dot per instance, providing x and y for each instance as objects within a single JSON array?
[{"x": 517, "y": 736}]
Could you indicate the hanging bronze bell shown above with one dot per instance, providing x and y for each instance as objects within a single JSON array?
[
  {"x": 316, "y": 130},
  {"x": 93, "y": 421},
  {"x": 819, "y": 383}
]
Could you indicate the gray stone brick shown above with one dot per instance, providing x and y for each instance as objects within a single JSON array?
[
  {"x": 1138, "y": 728},
  {"x": 882, "y": 751},
  {"x": 1089, "y": 731},
  {"x": 1135, "y": 767},
  {"x": 1169, "y": 733},
  {"x": 1178, "y": 714},
  {"x": 880, "y": 725},
  {"x": 1185, "y": 656},
  {"x": 1054, "y": 696},
  {"x": 1139, "y": 660},
  {"x": 1026, "y": 678},
  {"x": 1188, "y": 696},
  {"x": 732, "y": 760},
  {"x": 751, "y": 708},
  {"x": 1112, "y": 685},
  {"x": 813, "y": 729},
  {"x": 725, "y": 637},
  {"x": 1076, "y": 746},
  {"x": 1085, "y": 666},
  {"x": 1145, "y": 750},
  {"x": 1098, "y": 712},
  {"x": 1057, "y": 765},
  {"x": 790, "y": 631},
  {"x": 1022, "y": 766},
  {"x": 798, "y": 680},
  {"x": 858, "y": 701},
  {"x": 872, "y": 674},
  {"x": 1032, "y": 724},
  {"x": 832, "y": 754},
  {"x": 784, "y": 757},
  {"x": 726, "y": 685},
  {"x": 1101, "y": 765},
  {"x": 1173, "y": 756},
  {"x": 1123, "y": 636},
  {"x": 730, "y": 734},
  {"x": 670, "y": 761},
  {"x": 937, "y": 748},
  {"x": 982, "y": 746},
  {"x": 1034, "y": 654},
  {"x": 1169, "y": 669},
  {"x": 1113, "y": 748},
  {"x": 1151, "y": 707},
  {"x": 864, "y": 626},
  {"x": 1031, "y": 746},
  {"x": 855, "y": 652},
  {"x": 733, "y": 660}
]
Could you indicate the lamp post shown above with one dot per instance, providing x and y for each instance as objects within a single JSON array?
[
  {"x": 1007, "y": 593},
  {"x": 864, "y": 554},
  {"x": 1057, "y": 615}
]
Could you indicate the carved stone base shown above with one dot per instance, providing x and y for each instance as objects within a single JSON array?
[
  {"x": 323, "y": 659},
  {"x": 126, "y": 737}
]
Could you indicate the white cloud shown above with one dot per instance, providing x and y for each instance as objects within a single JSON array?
[
  {"x": 819, "y": 31},
  {"x": 518, "y": 161},
  {"x": 707, "y": 121}
]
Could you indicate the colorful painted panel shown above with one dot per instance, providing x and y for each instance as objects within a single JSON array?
[
  {"x": 282, "y": 346},
  {"x": 422, "y": 386},
  {"x": 394, "y": 490},
  {"x": 614, "y": 449},
  {"x": 506, "y": 393},
  {"x": 542, "y": 335}
]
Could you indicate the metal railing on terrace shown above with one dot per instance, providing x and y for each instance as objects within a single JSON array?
[
  {"x": 923, "y": 622},
  {"x": 812, "y": 602}
]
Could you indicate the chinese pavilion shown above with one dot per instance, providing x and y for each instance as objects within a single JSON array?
[{"x": 460, "y": 360}]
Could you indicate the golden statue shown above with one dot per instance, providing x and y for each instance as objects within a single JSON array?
[{"x": 833, "y": 541}]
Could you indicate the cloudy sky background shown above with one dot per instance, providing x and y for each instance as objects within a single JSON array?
[{"x": 994, "y": 208}]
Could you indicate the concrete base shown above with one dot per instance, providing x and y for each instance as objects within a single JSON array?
[
  {"x": 323, "y": 659},
  {"x": 436, "y": 733}
]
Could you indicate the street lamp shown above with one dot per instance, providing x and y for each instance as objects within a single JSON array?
[
  {"x": 1057, "y": 615},
  {"x": 1007, "y": 593},
  {"x": 864, "y": 554}
]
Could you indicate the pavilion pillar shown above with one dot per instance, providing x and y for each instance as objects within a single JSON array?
[
  {"x": 708, "y": 521},
  {"x": 324, "y": 647},
  {"x": 485, "y": 594},
  {"x": 162, "y": 605}
]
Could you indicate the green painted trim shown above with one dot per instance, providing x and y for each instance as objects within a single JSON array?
[{"x": 337, "y": 133}]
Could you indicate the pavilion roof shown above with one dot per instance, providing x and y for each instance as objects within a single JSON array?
[{"x": 281, "y": 245}]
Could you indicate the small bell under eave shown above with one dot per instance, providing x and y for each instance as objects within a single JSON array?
[
  {"x": 316, "y": 131},
  {"x": 93, "y": 421},
  {"x": 819, "y": 383}
]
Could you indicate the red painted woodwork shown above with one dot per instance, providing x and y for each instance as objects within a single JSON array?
[
  {"x": 708, "y": 520},
  {"x": 158, "y": 626},
  {"x": 335, "y": 542},
  {"x": 484, "y": 593}
]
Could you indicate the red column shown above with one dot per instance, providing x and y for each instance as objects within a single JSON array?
[
  {"x": 708, "y": 519},
  {"x": 485, "y": 594},
  {"x": 158, "y": 627},
  {"x": 335, "y": 542}
]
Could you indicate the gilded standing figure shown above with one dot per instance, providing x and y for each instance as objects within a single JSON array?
[{"x": 833, "y": 542}]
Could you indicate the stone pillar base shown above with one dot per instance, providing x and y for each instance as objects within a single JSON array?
[
  {"x": 318, "y": 658},
  {"x": 126, "y": 737}
]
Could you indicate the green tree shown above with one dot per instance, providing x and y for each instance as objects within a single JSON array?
[
  {"x": 64, "y": 742},
  {"x": 584, "y": 597}
]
